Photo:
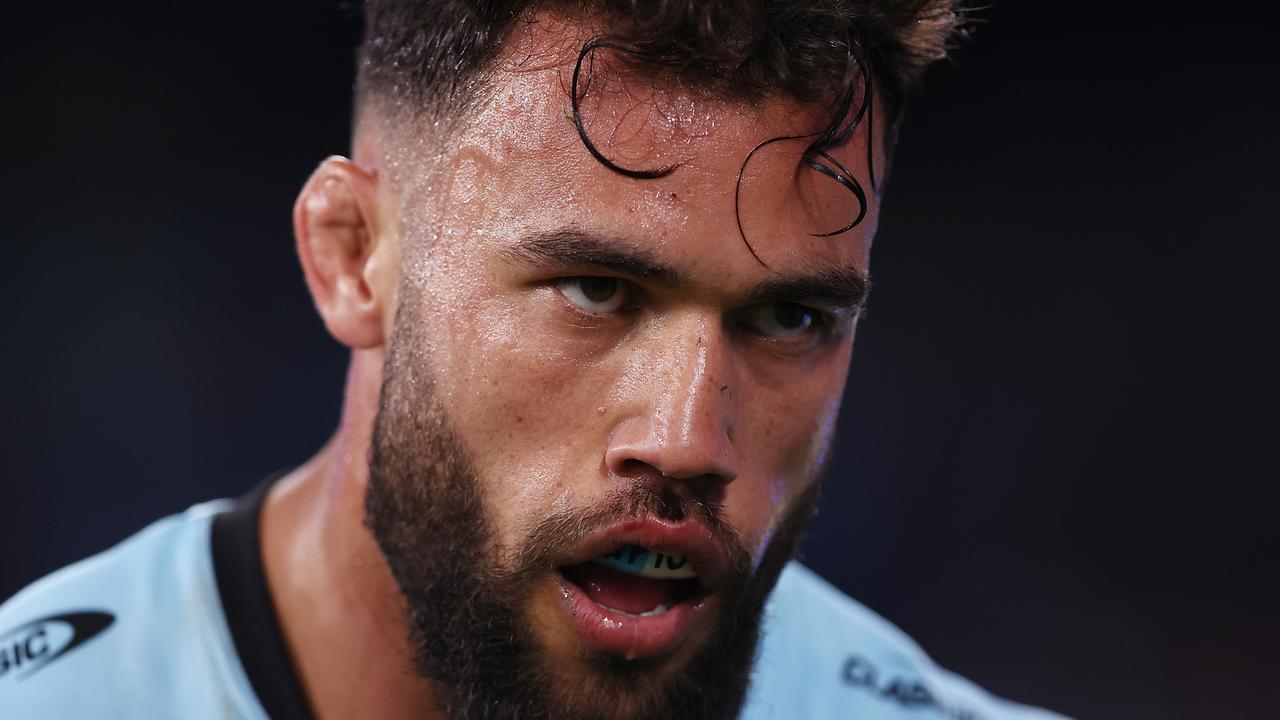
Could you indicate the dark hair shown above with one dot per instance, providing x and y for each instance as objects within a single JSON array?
[{"x": 430, "y": 55}]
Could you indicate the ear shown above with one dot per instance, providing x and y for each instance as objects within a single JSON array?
[{"x": 343, "y": 254}]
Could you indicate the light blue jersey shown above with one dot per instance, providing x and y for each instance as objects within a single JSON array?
[{"x": 143, "y": 631}]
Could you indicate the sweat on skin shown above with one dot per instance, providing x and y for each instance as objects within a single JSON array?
[{"x": 692, "y": 384}]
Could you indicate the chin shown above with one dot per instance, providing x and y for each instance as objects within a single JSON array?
[{"x": 585, "y": 681}]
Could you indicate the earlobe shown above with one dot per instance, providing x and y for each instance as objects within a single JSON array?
[{"x": 336, "y": 225}]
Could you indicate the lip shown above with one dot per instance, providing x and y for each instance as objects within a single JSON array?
[
  {"x": 630, "y": 636},
  {"x": 633, "y": 636},
  {"x": 687, "y": 538}
]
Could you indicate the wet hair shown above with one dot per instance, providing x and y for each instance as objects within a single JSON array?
[{"x": 845, "y": 55}]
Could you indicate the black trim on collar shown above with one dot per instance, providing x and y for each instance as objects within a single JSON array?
[{"x": 250, "y": 613}]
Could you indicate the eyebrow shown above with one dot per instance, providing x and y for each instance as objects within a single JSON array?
[
  {"x": 833, "y": 287},
  {"x": 570, "y": 247}
]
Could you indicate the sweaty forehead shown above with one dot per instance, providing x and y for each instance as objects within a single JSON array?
[
  {"x": 518, "y": 164},
  {"x": 639, "y": 110}
]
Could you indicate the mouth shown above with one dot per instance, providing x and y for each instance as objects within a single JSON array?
[
  {"x": 635, "y": 581},
  {"x": 641, "y": 589}
]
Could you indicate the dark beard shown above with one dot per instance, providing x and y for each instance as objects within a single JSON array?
[{"x": 425, "y": 508}]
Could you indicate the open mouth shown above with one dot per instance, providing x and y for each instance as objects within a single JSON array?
[
  {"x": 636, "y": 601},
  {"x": 636, "y": 581},
  {"x": 643, "y": 587}
]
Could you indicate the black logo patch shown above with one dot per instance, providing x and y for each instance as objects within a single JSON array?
[
  {"x": 909, "y": 692},
  {"x": 29, "y": 647}
]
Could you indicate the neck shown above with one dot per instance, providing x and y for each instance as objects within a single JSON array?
[{"x": 339, "y": 607}]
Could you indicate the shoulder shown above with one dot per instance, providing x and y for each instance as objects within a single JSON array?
[
  {"x": 823, "y": 655},
  {"x": 134, "y": 631}
]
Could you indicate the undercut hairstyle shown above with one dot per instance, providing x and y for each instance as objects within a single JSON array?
[{"x": 430, "y": 57}]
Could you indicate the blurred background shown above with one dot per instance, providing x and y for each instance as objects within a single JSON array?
[{"x": 1057, "y": 457}]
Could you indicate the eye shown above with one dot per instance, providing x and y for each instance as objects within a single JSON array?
[
  {"x": 783, "y": 320},
  {"x": 594, "y": 294}
]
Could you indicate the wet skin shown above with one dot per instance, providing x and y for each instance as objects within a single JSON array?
[{"x": 585, "y": 329}]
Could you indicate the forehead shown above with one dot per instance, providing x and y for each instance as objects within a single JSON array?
[{"x": 517, "y": 164}]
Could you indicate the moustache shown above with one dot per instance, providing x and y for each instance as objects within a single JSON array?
[{"x": 558, "y": 534}]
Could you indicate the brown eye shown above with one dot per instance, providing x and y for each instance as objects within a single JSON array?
[
  {"x": 782, "y": 319},
  {"x": 593, "y": 294}
]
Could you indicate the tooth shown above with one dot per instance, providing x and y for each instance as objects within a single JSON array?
[
  {"x": 660, "y": 610},
  {"x": 641, "y": 561}
]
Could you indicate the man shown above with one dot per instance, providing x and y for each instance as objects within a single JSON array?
[{"x": 599, "y": 266}]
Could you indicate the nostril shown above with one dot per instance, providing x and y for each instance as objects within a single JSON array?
[
  {"x": 704, "y": 465},
  {"x": 637, "y": 468}
]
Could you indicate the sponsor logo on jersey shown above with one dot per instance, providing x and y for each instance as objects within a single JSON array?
[
  {"x": 909, "y": 692},
  {"x": 29, "y": 647}
]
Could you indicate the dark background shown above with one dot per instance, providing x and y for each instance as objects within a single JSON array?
[{"x": 1058, "y": 447}]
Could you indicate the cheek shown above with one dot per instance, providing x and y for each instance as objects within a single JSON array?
[
  {"x": 788, "y": 439},
  {"x": 526, "y": 409}
]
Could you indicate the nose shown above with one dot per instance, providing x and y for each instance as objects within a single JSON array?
[{"x": 683, "y": 407}]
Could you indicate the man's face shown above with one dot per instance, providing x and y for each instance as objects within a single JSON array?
[{"x": 585, "y": 364}]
